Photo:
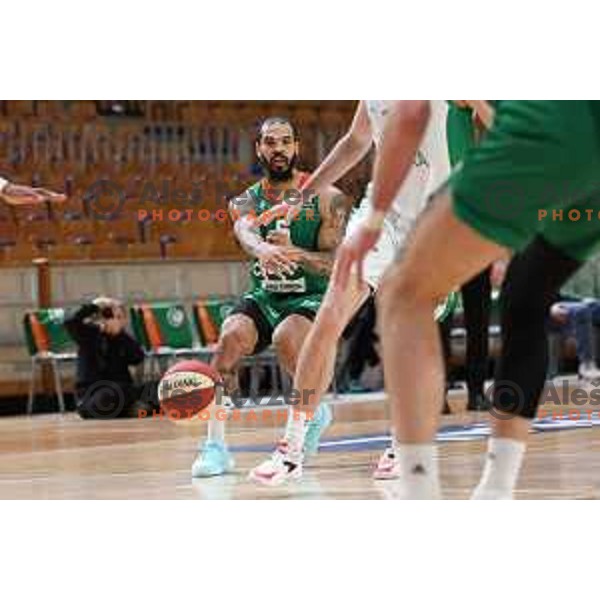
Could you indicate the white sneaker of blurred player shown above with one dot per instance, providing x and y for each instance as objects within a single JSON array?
[
  {"x": 590, "y": 374},
  {"x": 282, "y": 466},
  {"x": 388, "y": 466}
]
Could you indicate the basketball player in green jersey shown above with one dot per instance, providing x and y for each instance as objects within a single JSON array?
[
  {"x": 290, "y": 268},
  {"x": 533, "y": 186}
]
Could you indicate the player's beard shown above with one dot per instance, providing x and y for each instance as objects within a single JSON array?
[{"x": 278, "y": 173}]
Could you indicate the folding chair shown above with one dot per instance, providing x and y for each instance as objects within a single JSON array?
[
  {"x": 164, "y": 330},
  {"x": 209, "y": 315},
  {"x": 47, "y": 342}
]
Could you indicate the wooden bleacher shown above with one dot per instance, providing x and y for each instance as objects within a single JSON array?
[{"x": 71, "y": 145}]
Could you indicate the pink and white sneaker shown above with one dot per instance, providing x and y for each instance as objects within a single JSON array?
[
  {"x": 388, "y": 466},
  {"x": 282, "y": 466}
]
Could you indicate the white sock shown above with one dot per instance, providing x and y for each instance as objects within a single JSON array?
[
  {"x": 216, "y": 428},
  {"x": 501, "y": 470},
  {"x": 295, "y": 430},
  {"x": 394, "y": 445},
  {"x": 419, "y": 476}
]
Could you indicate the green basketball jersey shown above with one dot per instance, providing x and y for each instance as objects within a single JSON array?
[
  {"x": 460, "y": 132},
  {"x": 304, "y": 233}
]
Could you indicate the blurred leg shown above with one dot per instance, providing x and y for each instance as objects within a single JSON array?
[
  {"x": 413, "y": 364},
  {"x": 476, "y": 295}
]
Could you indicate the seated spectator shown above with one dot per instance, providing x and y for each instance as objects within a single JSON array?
[
  {"x": 105, "y": 388},
  {"x": 577, "y": 314}
]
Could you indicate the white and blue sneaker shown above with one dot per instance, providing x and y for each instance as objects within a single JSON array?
[
  {"x": 320, "y": 422},
  {"x": 212, "y": 460}
]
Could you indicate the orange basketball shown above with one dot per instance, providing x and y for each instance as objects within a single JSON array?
[{"x": 187, "y": 388}]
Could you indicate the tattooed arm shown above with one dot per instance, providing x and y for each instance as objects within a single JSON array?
[
  {"x": 333, "y": 211},
  {"x": 272, "y": 258},
  {"x": 245, "y": 226},
  {"x": 335, "y": 207}
]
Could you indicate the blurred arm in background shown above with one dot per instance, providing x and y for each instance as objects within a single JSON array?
[{"x": 19, "y": 195}]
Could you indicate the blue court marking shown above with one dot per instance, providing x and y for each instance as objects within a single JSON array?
[{"x": 449, "y": 433}]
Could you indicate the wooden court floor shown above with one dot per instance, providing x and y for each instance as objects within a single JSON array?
[{"x": 63, "y": 457}]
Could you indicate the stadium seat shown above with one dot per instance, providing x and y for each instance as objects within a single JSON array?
[
  {"x": 121, "y": 231},
  {"x": 38, "y": 230},
  {"x": 47, "y": 343},
  {"x": 164, "y": 330},
  {"x": 8, "y": 230},
  {"x": 67, "y": 145},
  {"x": 209, "y": 315},
  {"x": 77, "y": 232}
]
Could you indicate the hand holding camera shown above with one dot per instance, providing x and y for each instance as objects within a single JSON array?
[{"x": 111, "y": 319}]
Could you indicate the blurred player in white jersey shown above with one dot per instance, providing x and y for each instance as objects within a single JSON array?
[{"x": 317, "y": 358}]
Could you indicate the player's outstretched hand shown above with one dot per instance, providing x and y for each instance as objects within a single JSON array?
[
  {"x": 351, "y": 255},
  {"x": 24, "y": 195},
  {"x": 280, "y": 237},
  {"x": 278, "y": 259},
  {"x": 51, "y": 196}
]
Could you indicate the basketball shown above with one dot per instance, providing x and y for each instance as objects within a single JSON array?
[{"x": 187, "y": 388}]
